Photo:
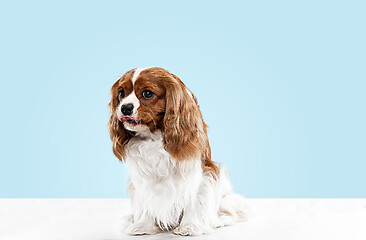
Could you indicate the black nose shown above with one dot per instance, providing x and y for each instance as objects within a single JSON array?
[{"x": 127, "y": 109}]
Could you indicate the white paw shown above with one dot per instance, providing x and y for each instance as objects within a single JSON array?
[
  {"x": 141, "y": 229},
  {"x": 218, "y": 224},
  {"x": 127, "y": 220},
  {"x": 188, "y": 230}
]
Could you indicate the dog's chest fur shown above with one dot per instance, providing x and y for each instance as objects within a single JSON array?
[{"x": 161, "y": 186}]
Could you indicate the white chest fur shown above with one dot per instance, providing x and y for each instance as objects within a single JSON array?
[{"x": 161, "y": 186}]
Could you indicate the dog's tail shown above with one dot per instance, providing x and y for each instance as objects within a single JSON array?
[{"x": 233, "y": 207}]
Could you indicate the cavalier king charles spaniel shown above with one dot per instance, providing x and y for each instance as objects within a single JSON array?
[{"x": 157, "y": 128}]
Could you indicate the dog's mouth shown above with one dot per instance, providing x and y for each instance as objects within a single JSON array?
[{"x": 130, "y": 120}]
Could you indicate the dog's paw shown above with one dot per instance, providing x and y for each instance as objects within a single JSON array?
[
  {"x": 127, "y": 221},
  {"x": 142, "y": 229},
  {"x": 188, "y": 230}
]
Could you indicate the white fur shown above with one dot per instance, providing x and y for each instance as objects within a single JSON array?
[
  {"x": 137, "y": 73},
  {"x": 189, "y": 92},
  {"x": 162, "y": 189}
]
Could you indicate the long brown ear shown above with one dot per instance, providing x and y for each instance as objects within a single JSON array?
[
  {"x": 183, "y": 125},
  {"x": 118, "y": 133},
  {"x": 119, "y": 137}
]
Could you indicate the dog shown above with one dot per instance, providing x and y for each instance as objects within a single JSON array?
[{"x": 157, "y": 128}]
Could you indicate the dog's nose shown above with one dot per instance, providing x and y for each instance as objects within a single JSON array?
[{"x": 127, "y": 109}]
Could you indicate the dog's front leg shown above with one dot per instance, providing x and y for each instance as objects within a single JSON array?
[
  {"x": 192, "y": 224},
  {"x": 142, "y": 225},
  {"x": 195, "y": 220}
]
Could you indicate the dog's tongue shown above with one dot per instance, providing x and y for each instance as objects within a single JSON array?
[{"x": 128, "y": 119}]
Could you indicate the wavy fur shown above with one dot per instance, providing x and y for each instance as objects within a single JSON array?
[{"x": 174, "y": 184}]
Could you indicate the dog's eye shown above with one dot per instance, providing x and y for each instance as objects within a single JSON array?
[
  {"x": 121, "y": 94},
  {"x": 147, "y": 94}
]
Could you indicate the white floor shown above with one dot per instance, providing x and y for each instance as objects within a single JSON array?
[{"x": 100, "y": 219}]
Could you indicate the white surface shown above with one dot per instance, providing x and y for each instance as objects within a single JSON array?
[{"x": 100, "y": 219}]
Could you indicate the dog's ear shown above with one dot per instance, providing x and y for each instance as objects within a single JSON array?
[
  {"x": 183, "y": 124},
  {"x": 119, "y": 135}
]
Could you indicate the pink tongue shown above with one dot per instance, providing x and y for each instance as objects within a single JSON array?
[{"x": 126, "y": 118}]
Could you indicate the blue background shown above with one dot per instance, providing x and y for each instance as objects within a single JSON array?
[{"x": 281, "y": 85}]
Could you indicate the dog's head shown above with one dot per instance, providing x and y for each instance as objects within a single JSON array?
[{"x": 147, "y": 100}]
